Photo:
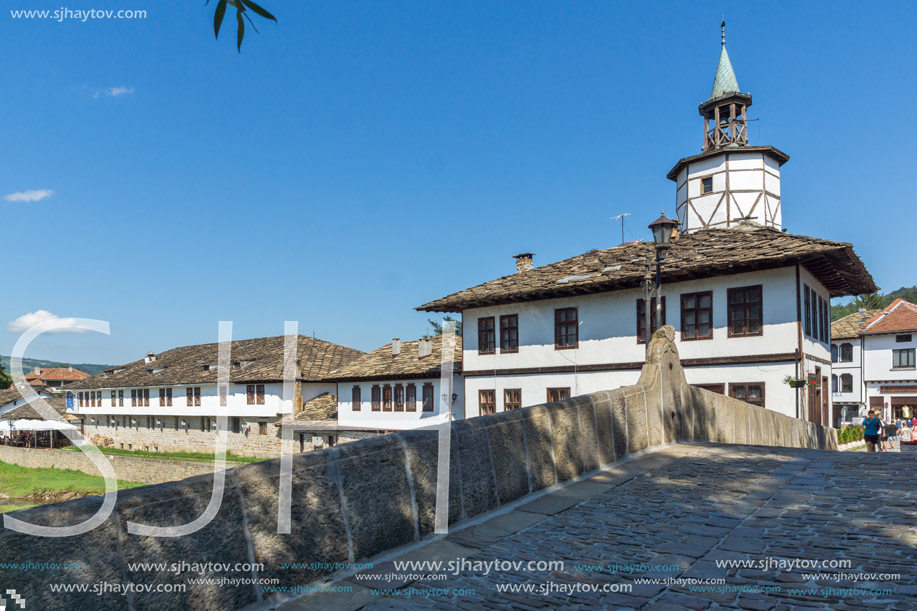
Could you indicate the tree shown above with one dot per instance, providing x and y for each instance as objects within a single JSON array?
[
  {"x": 869, "y": 301},
  {"x": 5, "y": 379},
  {"x": 438, "y": 326},
  {"x": 242, "y": 7}
]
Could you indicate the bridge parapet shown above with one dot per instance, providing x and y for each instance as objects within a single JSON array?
[{"x": 361, "y": 499}]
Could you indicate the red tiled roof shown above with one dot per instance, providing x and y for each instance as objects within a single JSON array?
[
  {"x": 62, "y": 374},
  {"x": 899, "y": 316}
]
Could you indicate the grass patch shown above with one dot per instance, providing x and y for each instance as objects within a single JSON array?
[
  {"x": 194, "y": 456},
  {"x": 21, "y": 482},
  {"x": 6, "y": 508}
]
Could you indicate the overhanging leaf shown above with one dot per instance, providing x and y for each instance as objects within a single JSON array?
[
  {"x": 258, "y": 10},
  {"x": 241, "y": 30},
  {"x": 218, "y": 18}
]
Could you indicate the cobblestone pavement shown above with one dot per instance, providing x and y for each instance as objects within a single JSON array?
[{"x": 688, "y": 507}]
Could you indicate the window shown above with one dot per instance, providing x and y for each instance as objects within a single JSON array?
[
  {"x": 428, "y": 397},
  {"x": 411, "y": 400},
  {"x": 833, "y": 383},
  {"x": 386, "y": 398},
  {"x": 486, "y": 402},
  {"x": 846, "y": 353},
  {"x": 824, "y": 320},
  {"x": 566, "y": 329},
  {"x": 833, "y": 353},
  {"x": 356, "y": 401},
  {"x": 750, "y": 393},
  {"x": 79, "y": 399},
  {"x": 134, "y": 397},
  {"x": 146, "y": 397},
  {"x": 189, "y": 396},
  {"x": 509, "y": 333},
  {"x": 486, "y": 335},
  {"x": 558, "y": 394},
  {"x": 121, "y": 398},
  {"x": 706, "y": 185},
  {"x": 236, "y": 425},
  {"x": 224, "y": 396},
  {"x": 717, "y": 388},
  {"x": 150, "y": 422},
  {"x": 262, "y": 428},
  {"x": 807, "y": 308},
  {"x": 376, "y": 398},
  {"x": 114, "y": 398},
  {"x": 697, "y": 315},
  {"x": 399, "y": 398},
  {"x": 846, "y": 382},
  {"x": 902, "y": 339},
  {"x": 512, "y": 399},
  {"x": 745, "y": 311},
  {"x": 254, "y": 394},
  {"x": 814, "y": 308},
  {"x": 903, "y": 359},
  {"x": 641, "y": 318}
]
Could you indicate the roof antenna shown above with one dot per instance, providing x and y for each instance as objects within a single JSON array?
[
  {"x": 723, "y": 29},
  {"x": 621, "y": 216}
]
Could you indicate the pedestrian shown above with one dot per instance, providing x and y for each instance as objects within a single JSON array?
[
  {"x": 891, "y": 434},
  {"x": 871, "y": 430}
]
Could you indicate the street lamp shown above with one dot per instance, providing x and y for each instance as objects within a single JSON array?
[{"x": 662, "y": 229}]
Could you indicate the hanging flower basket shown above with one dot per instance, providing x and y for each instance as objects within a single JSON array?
[{"x": 797, "y": 382}]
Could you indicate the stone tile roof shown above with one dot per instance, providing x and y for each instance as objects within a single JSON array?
[
  {"x": 322, "y": 407},
  {"x": 899, "y": 316},
  {"x": 849, "y": 326},
  {"x": 253, "y": 360},
  {"x": 57, "y": 374},
  {"x": 381, "y": 365},
  {"x": 701, "y": 254},
  {"x": 11, "y": 394}
]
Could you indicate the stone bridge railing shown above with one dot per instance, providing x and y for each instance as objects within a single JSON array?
[{"x": 357, "y": 500}]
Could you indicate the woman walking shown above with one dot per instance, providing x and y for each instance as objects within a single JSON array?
[{"x": 871, "y": 432}]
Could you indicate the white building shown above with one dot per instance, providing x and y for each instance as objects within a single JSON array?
[
  {"x": 890, "y": 344},
  {"x": 399, "y": 386},
  {"x": 848, "y": 386},
  {"x": 750, "y": 302},
  {"x": 170, "y": 401}
]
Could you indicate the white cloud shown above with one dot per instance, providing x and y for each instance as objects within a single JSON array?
[
  {"x": 113, "y": 92},
  {"x": 35, "y": 195},
  {"x": 27, "y": 321}
]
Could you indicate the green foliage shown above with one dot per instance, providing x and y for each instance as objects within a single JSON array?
[
  {"x": 242, "y": 9},
  {"x": 438, "y": 326},
  {"x": 6, "y": 380},
  {"x": 873, "y": 301}
]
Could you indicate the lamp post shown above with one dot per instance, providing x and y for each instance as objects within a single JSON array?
[{"x": 662, "y": 229}]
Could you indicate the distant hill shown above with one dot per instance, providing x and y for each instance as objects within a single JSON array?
[
  {"x": 29, "y": 364},
  {"x": 908, "y": 293}
]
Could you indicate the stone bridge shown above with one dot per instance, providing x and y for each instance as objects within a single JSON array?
[{"x": 661, "y": 478}]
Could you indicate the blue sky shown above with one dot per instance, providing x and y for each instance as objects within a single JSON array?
[{"x": 361, "y": 158}]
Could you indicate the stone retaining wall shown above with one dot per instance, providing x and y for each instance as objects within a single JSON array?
[
  {"x": 127, "y": 468},
  {"x": 354, "y": 501}
]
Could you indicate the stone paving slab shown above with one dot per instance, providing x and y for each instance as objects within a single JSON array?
[{"x": 677, "y": 512}]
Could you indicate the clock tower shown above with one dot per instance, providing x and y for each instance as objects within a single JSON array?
[{"x": 729, "y": 182}]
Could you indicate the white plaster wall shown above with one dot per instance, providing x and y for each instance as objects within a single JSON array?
[
  {"x": 878, "y": 359},
  {"x": 395, "y": 421},
  {"x": 607, "y": 325},
  {"x": 210, "y": 402}
]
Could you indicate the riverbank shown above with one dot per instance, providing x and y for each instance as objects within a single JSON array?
[{"x": 23, "y": 487}]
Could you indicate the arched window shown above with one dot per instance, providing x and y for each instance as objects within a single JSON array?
[
  {"x": 846, "y": 383},
  {"x": 833, "y": 383}
]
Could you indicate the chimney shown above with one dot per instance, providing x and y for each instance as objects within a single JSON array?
[
  {"x": 150, "y": 357},
  {"x": 396, "y": 347},
  {"x": 37, "y": 371},
  {"x": 524, "y": 261},
  {"x": 70, "y": 368},
  {"x": 862, "y": 310},
  {"x": 424, "y": 347}
]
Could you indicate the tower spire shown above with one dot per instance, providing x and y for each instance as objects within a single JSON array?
[{"x": 723, "y": 32}]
